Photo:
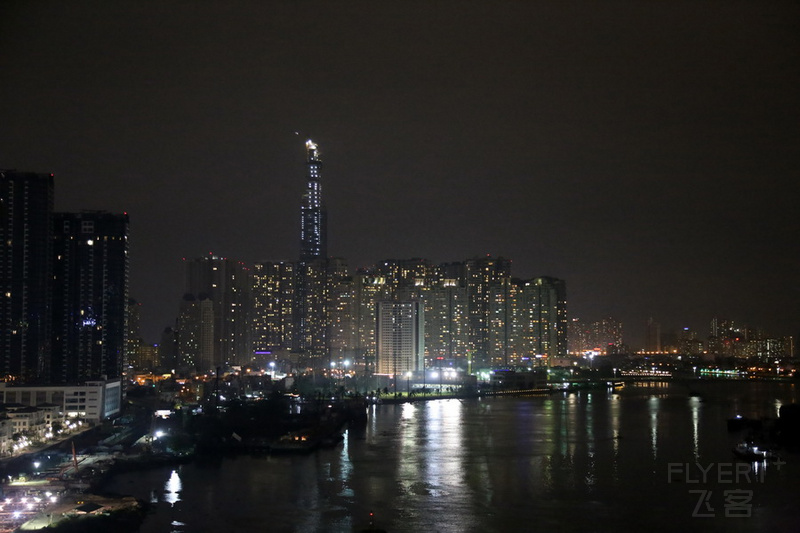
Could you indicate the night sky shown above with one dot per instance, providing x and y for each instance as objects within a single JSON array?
[{"x": 645, "y": 152}]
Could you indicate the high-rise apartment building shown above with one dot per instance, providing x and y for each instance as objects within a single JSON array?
[
  {"x": 167, "y": 353},
  {"x": 406, "y": 274},
  {"x": 26, "y": 211},
  {"x": 505, "y": 323},
  {"x": 135, "y": 339},
  {"x": 446, "y": 324},
  {"x": 146, "y": 358},
  {"x": 689, "y": 342},
  {"x": 342, "y": 313},
  {"x": 400, "y": 337},
  {"x": 369, "y": 290},
  {"x": 516, "y": 323},
  {"x": 195, "y": 335},
  {"x": 90, "y": 297},
  {"x": 547, "y": 319},
  {"x": 604, "y": 335},
  {"x": 274, "y": 285},
  {"x": 482, "y": 274},
  {"x": 228, "y": 286},
  {"x": 312, "y": 310}
]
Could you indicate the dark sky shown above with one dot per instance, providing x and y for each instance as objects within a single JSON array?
[{"x": 647, "y": 152}]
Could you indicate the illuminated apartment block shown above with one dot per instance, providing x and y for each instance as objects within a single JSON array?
[{"x": 400, "y": 338}]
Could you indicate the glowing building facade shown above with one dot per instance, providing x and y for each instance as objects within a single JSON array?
[
  {"x": 310, "y": 313},
  {"x": 274, "y": 286},
  {"x": 400, "y": 338}
]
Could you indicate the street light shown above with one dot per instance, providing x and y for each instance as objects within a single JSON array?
[{"x": 408, "y": 383}]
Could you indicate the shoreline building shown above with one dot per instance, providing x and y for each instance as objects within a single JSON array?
[
  {"x": 506, "y": 312},
  {"x": 482, "y": 275},
  {"x": 446, "y": 326},
  {"x": 549, "y": 316},
  {"x": 400, "y": 337},
  {"x": 94, "y": 400}
]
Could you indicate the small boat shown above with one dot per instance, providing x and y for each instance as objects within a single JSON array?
[
  {"x": 750, "y": 452},
  {"x": 304, "y": 441}
]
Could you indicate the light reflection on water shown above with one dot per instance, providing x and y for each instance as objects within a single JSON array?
[
  {"x": 694, "y": 403},
  {"x": 653, "y": 405},
  {"x": 579, "y": 462},
  {"x": 613, "y": 423},
  {"x": 172, "y": 488}
]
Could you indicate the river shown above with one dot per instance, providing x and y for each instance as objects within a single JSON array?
[{"x": 647, "y": 457}]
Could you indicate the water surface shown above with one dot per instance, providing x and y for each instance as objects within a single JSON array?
[{"x": 626, "y": 460}]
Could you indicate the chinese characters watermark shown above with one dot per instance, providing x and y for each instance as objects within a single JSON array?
[{"x": 737, "y": 502}]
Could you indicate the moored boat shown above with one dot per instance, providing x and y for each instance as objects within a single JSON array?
[
  {"x": 303, "y": 441},
  {"x": 750, "y": 452}
]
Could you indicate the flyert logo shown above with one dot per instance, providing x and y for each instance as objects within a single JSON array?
[
  {"x": 722, "y": 473},
  {"x": 737, "y": 501}
]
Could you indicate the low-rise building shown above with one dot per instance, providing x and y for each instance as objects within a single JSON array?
[
  {"x": 93, "y": 401},
  {"x": 52, "y": 413},
  {"x": 26, "y": 420}
]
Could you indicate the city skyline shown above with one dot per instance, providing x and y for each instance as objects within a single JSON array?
[{"x": 643, "y": 153}]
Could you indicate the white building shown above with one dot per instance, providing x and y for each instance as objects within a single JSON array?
[
  {"x": 93, "y": 401},
  {"x": 27, "y": 420},
  {"x": 400, "y": 337}
]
